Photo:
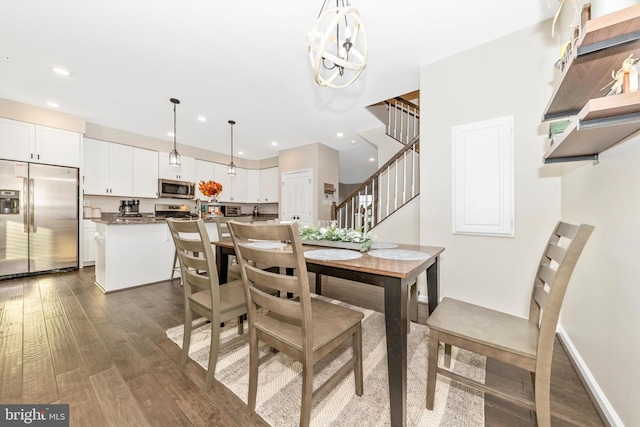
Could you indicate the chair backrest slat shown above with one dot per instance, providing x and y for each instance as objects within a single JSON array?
[
  {"x": 556, "y": 253},
  {"x": 273, "y": 281},
  {"x": 546, "y": 274},
  {"x": 540, "y": 295}
]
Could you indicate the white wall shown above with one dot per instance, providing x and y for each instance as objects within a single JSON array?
[
  {"x": 401, "y": 227},
  {"x": 510, "y": 76},
  {"x": 601, "y": 314}
]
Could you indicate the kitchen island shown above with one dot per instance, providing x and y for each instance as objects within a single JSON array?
[{"x": 135, "y": 251}]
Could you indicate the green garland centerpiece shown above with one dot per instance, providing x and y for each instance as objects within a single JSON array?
[{"x": 334, "y": 234}]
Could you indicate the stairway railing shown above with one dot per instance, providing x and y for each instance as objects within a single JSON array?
[
  {"x": 391, "y": 187},
  {"x": 403, "y": 123}
]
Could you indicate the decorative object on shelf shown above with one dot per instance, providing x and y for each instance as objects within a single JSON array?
[
  {"x": 337, "y": 62},
  {"x": 556, "y": 128},
  {"x": 231, "y": 167},
  {"x": 174, "y": 157},
  {"x": 625, "y": 80},
  {"x": 335, "y": 237},
  {"x": 576, "y": 25},
  {"x": 210, "y": 188}
]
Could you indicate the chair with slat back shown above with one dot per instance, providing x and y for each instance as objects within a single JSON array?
[
  {"x": 305, "y": 329},
  {"x": 202, "y": 293},
  {"x": 525, "y": 343}
]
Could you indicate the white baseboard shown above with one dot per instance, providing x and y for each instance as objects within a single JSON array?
[{"x": 591, "y": 382}]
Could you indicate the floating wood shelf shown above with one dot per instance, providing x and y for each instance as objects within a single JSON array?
[
  {"x": 604, "y": 44},
  {"x": 601, "y": 121}
]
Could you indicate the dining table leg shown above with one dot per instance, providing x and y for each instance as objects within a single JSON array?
[
  {"x": 222, "y": 264},
  {"x": 395, "y": 316},
  {"x": 433, "y": 284}
]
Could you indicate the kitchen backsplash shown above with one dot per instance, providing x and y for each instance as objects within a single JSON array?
[{"x": 111, "y": 204}]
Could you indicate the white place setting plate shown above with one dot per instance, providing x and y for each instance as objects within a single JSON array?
[
  {"x": 399, "y": 254},
  {"x": 332, "y": 254},
  {"x": 266, "y": 244}
]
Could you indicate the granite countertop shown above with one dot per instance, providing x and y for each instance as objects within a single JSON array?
[{"x": 149, "y": 218}]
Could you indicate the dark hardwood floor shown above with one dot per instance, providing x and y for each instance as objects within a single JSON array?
[{"x": 63, "y": 341}]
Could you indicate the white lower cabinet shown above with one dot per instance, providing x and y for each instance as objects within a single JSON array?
[
  {"x": 89, "y": 242},
  {"x": 129, "y": 255},
  {"x": 132, "y": 255}
]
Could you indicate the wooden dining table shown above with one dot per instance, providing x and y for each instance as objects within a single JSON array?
[{"x": 395, "y": 277}]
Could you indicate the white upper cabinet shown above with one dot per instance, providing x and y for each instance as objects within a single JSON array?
[
  {"x": 185, "y": 172},
  {"x": 253, "y": 186},
  {"x": 107, "y": 168},
  {"x": 16, "y": 139},
  {"x": 205, "y": 171},
  {"x": 220, "y": 175},
  {"x": 57, "y": 147},
  {"x": 269, "y": 185},
  {"x": 239, "y": 185},
  {"x": 234, "y": 188},
  {"x": 39, "y": 144},
  {"x": 145, "y": 173}
]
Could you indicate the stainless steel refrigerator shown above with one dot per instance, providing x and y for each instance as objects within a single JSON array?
[{"x": 38, "y": 218}]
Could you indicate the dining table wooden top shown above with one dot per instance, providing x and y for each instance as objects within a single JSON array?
[{"x": 368, "y": 263}]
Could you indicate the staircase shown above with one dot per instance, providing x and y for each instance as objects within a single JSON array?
[
  {"x": 403, "y": 121},
  {"x": 396, "y": 183}
]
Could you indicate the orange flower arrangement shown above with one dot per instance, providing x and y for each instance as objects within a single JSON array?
[{"x": 210, "y": 188}]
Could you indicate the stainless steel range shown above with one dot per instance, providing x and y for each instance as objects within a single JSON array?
[{"x": 173, "y": 211}]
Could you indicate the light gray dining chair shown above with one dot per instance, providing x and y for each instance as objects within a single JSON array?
[
  {"x": 202, "y": 293},
  {"x": 524, "y": 343},
  {"x": 304, "y": 328}
]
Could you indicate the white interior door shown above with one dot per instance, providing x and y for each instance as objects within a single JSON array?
[{"x": 297, "y": 196}]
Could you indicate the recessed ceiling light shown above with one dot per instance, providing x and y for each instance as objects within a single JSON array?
[
  {"x": 202, "y": 118},
  {"x": 371, "y": 159},
  {"x": 170, "y": 133},
  {"x": 240, "y": 153},
  {"x": 353, "y": 141},
  {"x": 61, "y": 71},
  {"x": 274, "y": 143},
  {"x": 339, "y": 134},
  {"x": 53, "y": 104}
]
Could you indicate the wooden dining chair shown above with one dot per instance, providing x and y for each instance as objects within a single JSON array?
[
  {"x": 524, "y": 343},
  {"x": 202, "y": 293},
  {"x": 304, "y": 328}
]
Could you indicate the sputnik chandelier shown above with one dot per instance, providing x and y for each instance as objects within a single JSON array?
[{"x": 337, "y": 45}]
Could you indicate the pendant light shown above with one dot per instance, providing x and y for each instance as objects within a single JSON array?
[
  {"x": 337, "y": 45},
  {"x": 231, "y": 167},
  {"x": 174, "y": 157}
]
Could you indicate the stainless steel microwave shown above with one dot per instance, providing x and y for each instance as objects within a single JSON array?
[
  {"x": 176, "y": 189},
  {"x": 231, "y": 210}
]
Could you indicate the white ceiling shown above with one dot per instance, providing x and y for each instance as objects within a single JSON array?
[{"x": 242, "y": 60}]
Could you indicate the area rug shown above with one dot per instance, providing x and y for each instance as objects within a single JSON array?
[{"x": 280, "y": 382}]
